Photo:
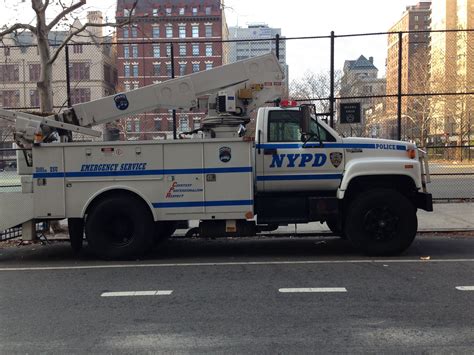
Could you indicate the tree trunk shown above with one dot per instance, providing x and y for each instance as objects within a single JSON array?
[{"x": 45, "y": 89}]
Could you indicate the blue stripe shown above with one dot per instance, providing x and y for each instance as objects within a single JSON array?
[
  {"x": 145, "y": 172},
  {"x": 203, "y": 204},
  {"x": 325, "y": 145},
  {"x": 300, "y": 177}
]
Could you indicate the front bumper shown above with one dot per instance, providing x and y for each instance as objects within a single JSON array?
[{"x": 424, "y": 201}]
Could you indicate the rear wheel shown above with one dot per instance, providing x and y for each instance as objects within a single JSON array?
[
  {"x": 164, "y": 230},
  {"x": 381, "y": 222},
  {"x": 119, "y": 227}
]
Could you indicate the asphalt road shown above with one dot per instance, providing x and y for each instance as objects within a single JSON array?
[{"x": 240, "y": 296}]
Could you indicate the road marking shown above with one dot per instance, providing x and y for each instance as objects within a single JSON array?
[
  {"x": 313, "y": 289},
  {"x": 465, "y": 288},
  {"x": 136, "y": 293},
  {"x": 249, "y": 263}
]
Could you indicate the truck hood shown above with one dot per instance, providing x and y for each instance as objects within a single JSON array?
[{"x": 378, "y": 144}]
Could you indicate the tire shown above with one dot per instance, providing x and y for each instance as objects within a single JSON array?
[
  {"x": 76, "y": 233},
  {"x": 119, "y": 227},
  {"x": 164, "y": 230},
  {"x": 381, "y": 222}
]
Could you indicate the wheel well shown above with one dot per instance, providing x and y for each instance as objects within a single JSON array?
[
  {"x": 401, "y": 183},
  {"x": 116, "y": 193}
]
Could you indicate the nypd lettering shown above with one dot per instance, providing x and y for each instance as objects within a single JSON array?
[
  {"x": 298, "y": 160},
  {"x": 113, "y": 167}
]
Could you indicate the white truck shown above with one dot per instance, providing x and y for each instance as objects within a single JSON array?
[{"x": 124, "y": 196}]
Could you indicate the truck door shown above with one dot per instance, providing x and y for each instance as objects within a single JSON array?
[{"x": 292, "y": 165}]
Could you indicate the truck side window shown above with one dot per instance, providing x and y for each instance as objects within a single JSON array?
[
  {"x": 325, "y": 136},
  {"x": 284, "y": 126}
]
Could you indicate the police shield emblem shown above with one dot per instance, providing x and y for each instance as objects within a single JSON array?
[
  {"x": 225, "y": 154},
  {"x": 336, "y": 158}
]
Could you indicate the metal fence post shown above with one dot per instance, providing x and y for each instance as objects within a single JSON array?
[
  {"x": 277, "y": 45},
  {"x": 332, "y": 84},
  {"x": 68, "y": 77},
  {"x": 400, "y": 82},
  {"x": 175, "y": 133}
]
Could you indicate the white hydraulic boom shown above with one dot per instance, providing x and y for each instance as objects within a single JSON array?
[{"x": 228, "y": 92}]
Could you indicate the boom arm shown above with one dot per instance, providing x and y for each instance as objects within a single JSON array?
[{"x": 263, "y": 75}]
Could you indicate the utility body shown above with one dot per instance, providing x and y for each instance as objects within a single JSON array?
[{"x": 124, "y": 196}]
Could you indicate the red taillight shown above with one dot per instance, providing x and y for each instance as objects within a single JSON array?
[{"x": 288, "y": 103}]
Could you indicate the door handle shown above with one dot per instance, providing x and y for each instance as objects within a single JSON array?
[{"x": 272, "y": 151}]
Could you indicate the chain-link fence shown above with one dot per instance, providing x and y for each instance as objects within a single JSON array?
[{"x": 419, "y": 91}]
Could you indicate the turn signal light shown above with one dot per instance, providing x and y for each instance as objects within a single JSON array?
[{"x": 411, "y": 153}]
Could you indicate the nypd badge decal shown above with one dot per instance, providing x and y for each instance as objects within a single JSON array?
[
  {"x": 336, "y": 158},
  {"x": 121, "y": 102},
  {"x": 225, "y": 154}
]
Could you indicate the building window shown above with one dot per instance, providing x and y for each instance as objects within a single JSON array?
[
  {"x": 9, "y": 73},
  {"x": 195, "y": 11},
  {"x": 183, "y": 124},
  {"x": 195, "y": 67},
  {"x": 208, "y": 66},
  {"x": 168, "y": 49},
  {"x": 137, "y": 126},
  {"x": 135, "y": 85},
  {"x": 127, "y": 87},
  {"x": 208, "y": 30},
  {"x": 34, "y": 98},
  {"x": 157, "y": 69},
  {"x": 168, "y": 11},
  {"x": 169, "y": 31},
  {"x": 126, "y": 52},
  {"x": 128, "y": 12},
  {"x": 155, "y": 12},
  {"x": 417, "y": 27},
  {"x": 181, "y": 10},
  {"x": 196, "y": 124},
  {"x": 208, "y": 10},
  {"x": 34, "y": 71},
  {"x": 168, "y": 70},
  {"x": 157, "y": 125},
  {"x": 134, "y": 51},
  {"x": 195, "y": 31},
  {"x": 135, "y": 70},
  {"x": 126, "y": 70},
  {"x": 77, "y": 48},
  {"x": 10, "y": 98},
  {"x": 156, "y": 32},
  {"x": 208, "y": 50},
  {"x": 195, "y": 49},
  {"x": 182, "y": 69},
  {"x": 80, "y": 71},
  {"x": 417, "y": 18},
  {"x": 182, "y": 49},
  {"x": 134, "y": 32},
  {"x": 182, "y": 31},
  {"x": 126, "y": 32},
  {"x": 79, "y": 95},
  {"x": 129, "y": 126},
  {"x": 156, "y": 51}
]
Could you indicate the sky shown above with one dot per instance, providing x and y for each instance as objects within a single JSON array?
[{"x": 296, "y": 18}]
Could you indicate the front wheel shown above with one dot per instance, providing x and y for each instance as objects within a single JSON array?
[{"x": 381, "y": 222}]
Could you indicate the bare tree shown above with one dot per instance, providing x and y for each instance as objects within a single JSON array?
[{"x": 47, "y": 53}]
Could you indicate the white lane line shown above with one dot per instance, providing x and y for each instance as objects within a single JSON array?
[
  {"x": 313, "y": 289},
  {"x": 136, "y": 293},
  {"x": 251, "y": 263},
  {"x": 465, "y": 288}
]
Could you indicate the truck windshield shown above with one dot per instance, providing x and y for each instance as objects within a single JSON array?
[{"x": 285, "y": 126}]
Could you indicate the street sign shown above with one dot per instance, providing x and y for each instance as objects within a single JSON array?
[{"x": 350, "y": 113}]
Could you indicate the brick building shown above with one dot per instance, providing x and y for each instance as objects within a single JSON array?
[{"x": 193, "y": 28}]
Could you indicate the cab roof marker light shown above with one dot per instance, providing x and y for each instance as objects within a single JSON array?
[{"x": 288, "y": 103}]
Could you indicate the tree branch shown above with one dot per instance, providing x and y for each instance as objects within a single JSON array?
[
  {"x": 65, "y": 12},
  {"x": 17, "y": 26}
]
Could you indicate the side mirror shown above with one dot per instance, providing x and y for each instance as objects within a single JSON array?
[{"x": 305, "y": 118}]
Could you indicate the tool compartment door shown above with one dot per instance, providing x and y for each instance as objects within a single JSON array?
[
  {"x": 48, "y": 182},
  {"x": 183, "y": 179},
  {"x": 228, "y": 177}
]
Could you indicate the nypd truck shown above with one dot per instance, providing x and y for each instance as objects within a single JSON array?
[{"x": 124, "y": 196}]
